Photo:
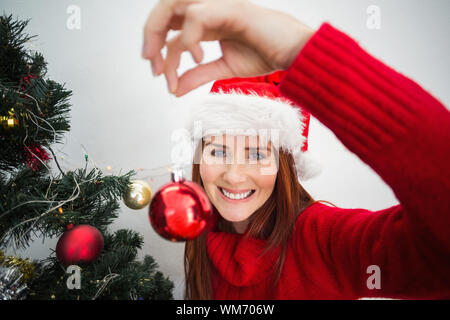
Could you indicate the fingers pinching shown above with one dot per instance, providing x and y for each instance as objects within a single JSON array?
[
  {"x": 187, "y": 40},
  {"x": 193, "y": 31},
  {"x": 174, "y": 50},
  {"x": 202, "y": 74},
  {"x": 155, "y": 33}
]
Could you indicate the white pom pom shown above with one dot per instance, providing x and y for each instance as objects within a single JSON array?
[{"x": 308, "y": 165}]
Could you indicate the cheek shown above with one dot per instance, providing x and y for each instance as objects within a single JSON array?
[
  {"x": 266, "y": 183},
  {"x": 208, "y": 174}
]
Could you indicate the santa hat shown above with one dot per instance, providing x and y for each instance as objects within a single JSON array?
[{"x": 238, "y": 105}]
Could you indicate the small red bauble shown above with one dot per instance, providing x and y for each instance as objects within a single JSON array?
[
  {"x": 32, "y": 160},
  {"x": 81, "y": 244},
  {"x": 180, "y": 210}
]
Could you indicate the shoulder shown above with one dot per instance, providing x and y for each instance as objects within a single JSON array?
[
  {"x": 321, "y": 209},
  {"x": 315, "y": 217},
  {"x": 321, "y": 217},
  {"x": 318, "y": 209}
]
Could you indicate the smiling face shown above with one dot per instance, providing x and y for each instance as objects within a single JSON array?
[{"x": 238, "y": 175}]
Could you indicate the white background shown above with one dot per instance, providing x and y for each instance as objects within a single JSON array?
[{"x": 123, "y": 117}]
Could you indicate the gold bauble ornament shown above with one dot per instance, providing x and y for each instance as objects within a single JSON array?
[
  {"x": 9, "y": 121},
  {"x": 138, "y": 195}
]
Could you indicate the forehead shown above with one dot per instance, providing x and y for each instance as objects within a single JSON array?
[{"x": 230, "y": 140}]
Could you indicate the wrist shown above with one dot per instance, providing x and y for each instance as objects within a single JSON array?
[{"x": 304, "y": 34}]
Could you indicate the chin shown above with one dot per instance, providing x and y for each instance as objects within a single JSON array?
[
  {"x": 234, "y": 220},
  {"x": 234, "y": 217},
  {"x": 228, "y": 214}
]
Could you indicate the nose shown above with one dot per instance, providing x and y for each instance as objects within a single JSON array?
[{"x": 235, "y": 174}]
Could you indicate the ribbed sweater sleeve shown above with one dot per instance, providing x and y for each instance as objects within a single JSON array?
[{"x": 403, "y": 134}]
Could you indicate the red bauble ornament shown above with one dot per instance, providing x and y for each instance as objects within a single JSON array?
[
  {"x": 26, "y": 80},
  {"x": 31, "y": 153},
  {"x": 180, "y": 210},
  {"x": 81, "y": 244}
]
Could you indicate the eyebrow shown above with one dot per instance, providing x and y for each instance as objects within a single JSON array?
[{"x": 225, "y": 147}]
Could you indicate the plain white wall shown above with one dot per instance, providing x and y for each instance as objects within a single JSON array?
[{"x": 123, "y": 117}]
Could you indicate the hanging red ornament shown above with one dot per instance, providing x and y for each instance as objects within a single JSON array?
[
  {"x": 79, "y": 244},
  {"x": 180, "y": 210},
  {"x": 26, "y": 80},
  {"x": 32, "y": 159}
]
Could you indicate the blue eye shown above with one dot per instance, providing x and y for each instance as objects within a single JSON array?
[
  {"x": 216, "y": 152},
  {"x": 259, "y": 156},
  {"x": 221, "y": 153}
]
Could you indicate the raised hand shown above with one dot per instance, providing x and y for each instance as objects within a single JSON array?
[{"x": 254, "y": 40}]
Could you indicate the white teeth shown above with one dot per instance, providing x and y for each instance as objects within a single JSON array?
[{"x": 236, "y": 196}]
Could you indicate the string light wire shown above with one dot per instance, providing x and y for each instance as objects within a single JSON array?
[{"x": 76, "y": 192}]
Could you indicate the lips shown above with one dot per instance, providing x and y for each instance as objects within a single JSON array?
[
  {"x": 248, "y": 198},
  {"x": 235, "y": 191}
]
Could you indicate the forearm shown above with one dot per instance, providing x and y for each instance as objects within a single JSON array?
[{"x": 389, "y": 121}]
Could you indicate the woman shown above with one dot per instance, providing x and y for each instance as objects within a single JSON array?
[{"x": 286, "y": 245}]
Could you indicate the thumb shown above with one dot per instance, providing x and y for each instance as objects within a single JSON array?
[{"x": 203, "y": 73}]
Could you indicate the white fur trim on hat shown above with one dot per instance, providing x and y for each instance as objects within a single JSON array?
[{"x": 251, "y": 114}]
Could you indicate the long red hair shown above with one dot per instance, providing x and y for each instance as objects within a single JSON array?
[{"x": 274, "y": 221}]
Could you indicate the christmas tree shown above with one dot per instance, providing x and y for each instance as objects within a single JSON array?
[{"x": 40, "y": 199}]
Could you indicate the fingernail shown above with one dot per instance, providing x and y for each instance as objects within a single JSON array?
[
  {"x": 173, "y": 88},
  {"x": 153, "y": 69}
]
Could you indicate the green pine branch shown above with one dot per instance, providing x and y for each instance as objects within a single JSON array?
[
  {"x": 131, "y": 279},
  {"x": 34, "y": 202},
  {"x": 29, "y": 196},
  {"x": 40, "y": 105}
]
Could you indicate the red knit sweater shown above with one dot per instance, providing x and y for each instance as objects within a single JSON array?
[{"x": 399, "y": 130}]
